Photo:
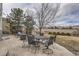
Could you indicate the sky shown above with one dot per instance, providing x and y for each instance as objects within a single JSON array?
[{"x": 68, "y": 13}]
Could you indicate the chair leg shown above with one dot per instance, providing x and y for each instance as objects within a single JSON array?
[
  {"x": 48, "y": 51},
  {"x": 23, "y": 45},
  {"x": 35, "y": 49}
]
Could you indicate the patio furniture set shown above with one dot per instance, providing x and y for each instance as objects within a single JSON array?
[{"x": 36, "y": 41}]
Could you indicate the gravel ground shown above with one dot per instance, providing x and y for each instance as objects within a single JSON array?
[{"x": 13, "y": 47}]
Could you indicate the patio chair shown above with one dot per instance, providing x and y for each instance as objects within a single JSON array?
[
  {"x": 47, "y": 44},
  {"x": 32, "y": 42},
  {"x": 54, "y": 38}
]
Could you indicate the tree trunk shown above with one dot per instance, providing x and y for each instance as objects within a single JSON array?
[
  {"x": 17, "y": 27},
  {"x": 11, "y": 28},
  {"x": 27, "y": 31},
  {"x": 40, "y": 29}
]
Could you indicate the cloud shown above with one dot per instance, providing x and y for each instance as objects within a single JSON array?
[
  {"x": 67, "y": 21},
  {"x": 67, "y": 11},
  {"x": 8, "y": 6},
  {"x": 68, "y": 14}
]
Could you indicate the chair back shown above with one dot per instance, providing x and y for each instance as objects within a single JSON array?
[
  {"x": 31, "y": 39},
  {"x": 51, "y": 40},
  {"x": 22, "y": 37}
]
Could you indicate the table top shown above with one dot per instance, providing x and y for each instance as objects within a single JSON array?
[{"x": 41, "y": 37}]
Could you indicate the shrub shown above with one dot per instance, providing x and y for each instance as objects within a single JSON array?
[
  {"x": 63, "y": 33},
  {"x": 54, "y": 33},
  {"x": 50, "y": 33},
  {"x": 68, "y": 34},
  {"x": 58, "y": 33}
]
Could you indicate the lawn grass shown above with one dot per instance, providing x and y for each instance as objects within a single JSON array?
[{"x": 69, "y": 42}]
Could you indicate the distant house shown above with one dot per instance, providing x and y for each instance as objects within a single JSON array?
[
  {"x": 76, "y": 27},
  {"x": 76, "y": 33}
]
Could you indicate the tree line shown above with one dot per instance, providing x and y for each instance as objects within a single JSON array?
[{"x": 45, "y": 14}]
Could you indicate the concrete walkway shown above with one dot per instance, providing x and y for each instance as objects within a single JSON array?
[
  {"x": 60, "y": 51},
  {"x": 14, "y": 47}
]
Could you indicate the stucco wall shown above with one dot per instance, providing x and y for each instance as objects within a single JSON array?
[{"x": 0, "y": 20}]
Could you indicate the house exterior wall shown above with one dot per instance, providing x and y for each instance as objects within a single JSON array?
[
  {"x": 5, "y": 26},
  {"x": 0, "y": 20}
]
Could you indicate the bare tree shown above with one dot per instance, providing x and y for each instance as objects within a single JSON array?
[{"x": 46, "y": 14}]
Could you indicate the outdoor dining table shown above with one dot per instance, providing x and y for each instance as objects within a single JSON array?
[{"x": 41, "y": 39}]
